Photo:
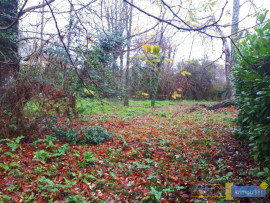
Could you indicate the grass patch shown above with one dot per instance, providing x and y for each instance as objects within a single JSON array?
[
  {"x": 89, "y": 106},
  {"x": 92, "y": 106}
]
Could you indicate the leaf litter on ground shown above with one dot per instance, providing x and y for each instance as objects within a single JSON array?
[{"x": 153, "y": 156}]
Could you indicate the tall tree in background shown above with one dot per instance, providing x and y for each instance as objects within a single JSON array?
[
  {"x": 228, "y": 61},
  {"x": 70, "y": 24},
  {"x": 9, "y": 61},
  {"x": 234, "y": 38},
  {"x": 42, "y": 28},
  {"x": 116, "y": 18},
  {"x": 128, "y": 28},
  {"x": 111, "y": 26},
  {"x": 235, "y": 27}
]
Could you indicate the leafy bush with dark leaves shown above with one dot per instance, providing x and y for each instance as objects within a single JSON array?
[
  {"x": 252, "y": 85},
  {"x": 94, "y": 135}
]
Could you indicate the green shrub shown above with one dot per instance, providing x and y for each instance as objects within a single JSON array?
[
  {"x": 95, "y": 135},
  {"x": 42, "y": 155},
  {"x": 252, "y": 85}
]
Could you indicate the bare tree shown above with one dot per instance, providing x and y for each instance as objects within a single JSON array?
[
  {"x": 128, "y": 28},
  {"x": 205, "y": 27},
  {"x": 235, "y": 27}
]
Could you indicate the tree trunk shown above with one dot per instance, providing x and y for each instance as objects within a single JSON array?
[
  {"x": 9, "y": 62},
  {"x": 228, "y": 61},
  {"x": 70, "y": 25},
  {"x": 42, "y": 33},
  {"x": 234, "y": 32},
  {"x": 121, "y": 65},
  {"x": 228, "y": 67},
  {"x": 128, "y": 25}
]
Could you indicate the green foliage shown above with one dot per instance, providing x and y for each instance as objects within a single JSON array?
[
  {"x": 49, "y": 188},
  {"x": 9, "y": 167},
  {"x": 76, "y": 199},
  {"x": 89, "y": 157},
  {"x": 153, "y": 58},
  {"x": 62, "y": 150},
  {"x": 100, "y": 64},
  {"x": 163, "y": 114},
  {"x": 42, "y": 155},
  {"x": 252, "y": 84},
  {"x": 95, "y": 135},
  {"x": 48, "y": 140},
  {"x": 157, "y": 194},
  {"x": 8, "y": 120},
  {"x": 264, "y": 176},
  {"x": 13, "y": 143}
]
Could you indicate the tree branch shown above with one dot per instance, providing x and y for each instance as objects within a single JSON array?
[
  {"x": 66, "y": 49},
  {"x": 188, "y": 28},
  {"x": 36, "y": 7},
  {"x": 22, "y": 12}
]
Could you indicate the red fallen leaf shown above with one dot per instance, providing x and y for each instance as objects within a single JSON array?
[
  {"x": 174, "y": 179},
  {"x": 43, "y": 163},
  {"x": 57, "y": 111},
  {"x": 118, "y": 187},
  {"x": 185, "y": 196},
  {"x": 103, "y": 196},
  {"x": 164, "y": 200},
  {"x": 158, "y": 177},
  {"x": 145, "y": 192},
  {"x": 34, "y": 189},
  {"x": 15, "y": 199},
  {"x": 148, "y": 172},
  {"x": 122, "y": 123}
]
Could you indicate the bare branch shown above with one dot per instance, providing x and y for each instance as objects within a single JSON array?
[
  {"x": 189, "y": 27},
  {"x": 66, "y": 49},
  {"x": 35, "y": 7},
  {"x": 22, "y": 12}
]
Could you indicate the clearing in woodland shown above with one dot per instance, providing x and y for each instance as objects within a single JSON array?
[{"x": 167, "y": 153}]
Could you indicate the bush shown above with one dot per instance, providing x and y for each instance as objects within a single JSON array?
[
  {"x": 206, "y": 81},
  {"x": 95, "y": 135},
  {"x": 252, "y": 85}
]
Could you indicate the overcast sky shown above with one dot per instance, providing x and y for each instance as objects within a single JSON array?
[{"x": 189, "y": 45}]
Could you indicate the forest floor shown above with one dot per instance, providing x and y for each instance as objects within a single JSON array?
[{"x": 157, "y": 154}]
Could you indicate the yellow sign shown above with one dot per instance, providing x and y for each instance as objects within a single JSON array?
[
  {"x": 228, "y": 191},
  {"x": 264, "y": 185}
]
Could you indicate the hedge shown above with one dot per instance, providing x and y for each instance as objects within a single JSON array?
[{"x": 252, "y": 86}]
